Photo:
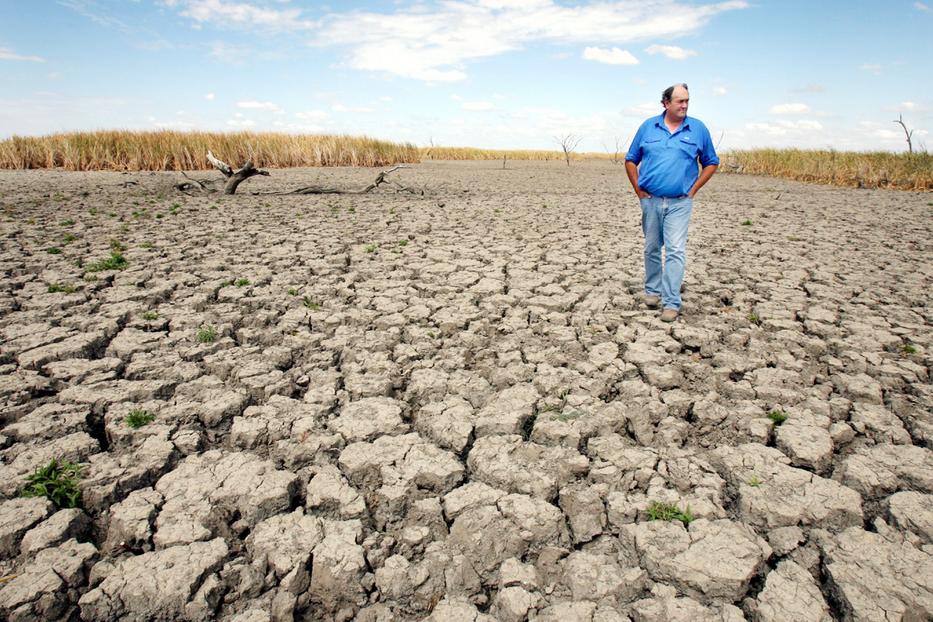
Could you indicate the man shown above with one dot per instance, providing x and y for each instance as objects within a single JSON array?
[{"x": 668, "y": 148}]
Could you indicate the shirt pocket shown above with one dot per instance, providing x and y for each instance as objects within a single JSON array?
[
  {"x": 689, "y": 147},
  {"x": 652, "y": 144}
]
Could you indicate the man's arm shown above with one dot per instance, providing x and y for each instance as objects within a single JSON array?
[
  {"x": 631, "y": 169},
  {"x": 705, "y": 174}
]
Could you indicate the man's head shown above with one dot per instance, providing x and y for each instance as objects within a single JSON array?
[{"x": 675, "y": 99}]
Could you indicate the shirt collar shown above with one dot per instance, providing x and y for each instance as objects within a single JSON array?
[{"x": 683, "y": 126}]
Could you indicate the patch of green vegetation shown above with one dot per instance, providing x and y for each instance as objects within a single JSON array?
[
  {"x": 777, "y": 416},
  {"x": 68, "y": 238},
  {"x": 207, "y": 334},
  {"x": 138, "y": 418},
  {"x": 159, "y": 215},
  {"x": 351, "y": 209},
  {"x": 908, "y": 348},
  {"x": 67, "y": 223},
  {"x": 292, "y": 291},
  {"x": 57, "y": 482},
  {"x": 116, "y": 261},
  {"x": 92, "y": 211},
  {"x": 794, "y": 238},
  {"x": 753, "y": 318},
  {"x": 117, "y": 246},
  {"x": 371, "y": 248},
  {"x": 754, "y": 482},
  {"x": 147, "y": 245},
  {"x": 150, "y": 315},
  {"x": 746, "y": 222},
  {"x": 53, "y": 250},
  {"x": 62, "y": 288},
  {"x": 403, "y": 242},
  {"x": 241, "y": 282},
  {"x": 310, "y": 304},
  {"x": 659, "y": 510}
]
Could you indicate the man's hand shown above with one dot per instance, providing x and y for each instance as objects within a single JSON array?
[{"x": 642, "y": 194}]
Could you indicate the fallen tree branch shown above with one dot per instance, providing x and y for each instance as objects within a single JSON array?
[{"x": 380, "y": 179}]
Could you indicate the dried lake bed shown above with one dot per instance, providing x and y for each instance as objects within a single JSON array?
[{"x": 453, "y": 406}]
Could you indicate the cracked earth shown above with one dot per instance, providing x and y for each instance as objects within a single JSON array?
[{"x": 454, "y": 407}]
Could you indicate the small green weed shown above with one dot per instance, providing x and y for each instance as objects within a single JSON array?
[
  {"x": 659, "y": 510},
  {"x": 241, "y": 282},
  {"x": 150, "y": 315},
  {"x": 56, "y": 481},
  {"x": 68, "y": 238},
  {"x": 908, "y": 348},
  {"x": 310, "y": 304},
  {"x": 116, "y": 261},
  {"x": 117, "y": 246},
  {"x": 207, "y": 334},
  {"x": 777, "y": 416},
  {"x": 138, "y": 418},
  {"x": 67, "y": 223},
  {"x": 753, "y": 318},
  {"x": 754, "y": 482},
  {"x": 403, "y": 242},
  {"x": 53, "y": 250},
  {"x": 746, "y": 222},
  {"x": 371, "y": 248},
  {"x": 292, "y": 291},
  {"x": 62, "y": 288}
]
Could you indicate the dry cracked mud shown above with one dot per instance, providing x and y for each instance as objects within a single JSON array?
[{"x": 454, "y": 407}]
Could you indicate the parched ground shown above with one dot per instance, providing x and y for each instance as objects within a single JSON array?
[{"x": 453, "y": 406}]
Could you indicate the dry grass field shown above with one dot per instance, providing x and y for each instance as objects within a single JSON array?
[{"x": 454, "y": 406}]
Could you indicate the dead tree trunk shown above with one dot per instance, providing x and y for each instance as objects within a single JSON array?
[
  {"x": 235, "y": 178},
  {"x": 910, "y": 144},
  {"x": 568, "y": 143}
]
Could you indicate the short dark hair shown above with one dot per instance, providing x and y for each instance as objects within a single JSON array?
[{"x": 668, "y": 93}]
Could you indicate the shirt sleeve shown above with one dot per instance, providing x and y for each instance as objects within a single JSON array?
[
  {"x": 634, "y": 152},
  {"x": 707, "y": 154}
]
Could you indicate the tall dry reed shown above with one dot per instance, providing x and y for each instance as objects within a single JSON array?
[
  {"x": 168, "y": 150},
  {"x": 875, "y": 169}
]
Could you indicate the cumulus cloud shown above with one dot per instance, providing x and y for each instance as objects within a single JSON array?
[
  {"x": 782, "y": 128},
  {"x": 790, "y": 109},
  {"x": 432, "y": 42},
  {"x": 254, "y": 105},
  {"x": 209, "y": 97},
  {"x": 612, "y": 56},
  {"x": 671, "y": 51},
  {"x": 921, "y": 7},
  {"x": 478, "y": 106},
  {"x": 8, "y": 54},
  {"x": 720, "y": 91}
]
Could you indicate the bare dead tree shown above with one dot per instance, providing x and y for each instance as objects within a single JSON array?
[
  {"x": 568, "y": 142},
  {"x": 234, "y": 178},
  {"x": 910, "y": 144},
  {"x": 503, "y": 161}
]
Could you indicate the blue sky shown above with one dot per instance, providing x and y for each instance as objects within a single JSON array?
[{"x": 484, "y": 73}]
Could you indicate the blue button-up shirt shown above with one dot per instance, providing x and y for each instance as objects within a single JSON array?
[{"x": 669, "y": 161}]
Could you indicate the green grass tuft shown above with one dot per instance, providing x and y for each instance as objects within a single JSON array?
[
  {"x": 746, "y": 222},
  {"x": 57, "y": 481},
  {"x": 777, "y": 416},
  {"x": 116, "y": 261},
  {"x": 310, "y": 304},
  {"x": 53, "y": 250},
  {"x": 62, "y": 288},
  {"x": 241, "y": 282},
  {"x": 207, "y": 334},
  {"x": 138, "y": 418},
  {"x": 150, "y": 315},
  {"x": 659, "y": 510}
]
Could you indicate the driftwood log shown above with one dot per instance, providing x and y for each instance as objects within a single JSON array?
[{"x": 235, "y": 178}]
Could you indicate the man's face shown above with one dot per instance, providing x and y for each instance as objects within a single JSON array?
[{"x": 677, "y": 107}]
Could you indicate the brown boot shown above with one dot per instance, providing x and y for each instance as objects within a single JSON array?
[
  {"x": 669, "y": 315},
  {"x": 652, "y": 301}
]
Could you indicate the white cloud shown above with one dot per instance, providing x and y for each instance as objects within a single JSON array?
[
  {"x": 720, "y": 91},
  {"x": 874, "y": 68},
  {"x": 254, "y": 105},
  {"x": 432, "y": 42},
  {"x": 8, "y": 54},
  {"x": 612, "y": 56},
  {"x": 240, "y": 15},
  {"x": 782, "y": 128},
  {"x": 209, "y": 97},
  {"x": 241, "y": 122},
  {"x": 921, "y": 7},
  {"x": 790, "y": 109},
  {"x": 478, "y": 106},
  {"x": 671, "y": 51}
]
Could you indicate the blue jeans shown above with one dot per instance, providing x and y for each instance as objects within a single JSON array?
[{"x": 664, "y": 222}]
